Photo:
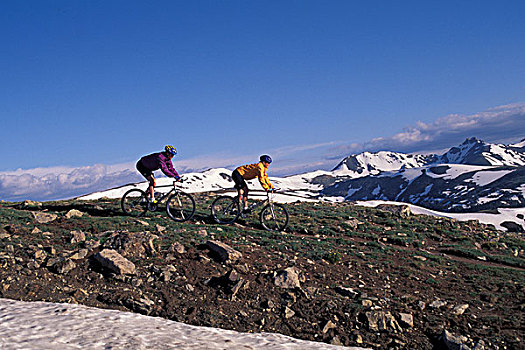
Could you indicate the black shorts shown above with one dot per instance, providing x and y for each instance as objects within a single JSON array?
[
  {"x": 143, "y": 170},
  {"x": 239, "y": 181}
]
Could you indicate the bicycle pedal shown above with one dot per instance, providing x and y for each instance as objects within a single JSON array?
[{"x": 152, "y": 206}]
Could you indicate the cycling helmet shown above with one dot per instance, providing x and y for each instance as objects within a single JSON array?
[
  {"x": 266, "y": 158},
  {"x": 170, "y": 149}
]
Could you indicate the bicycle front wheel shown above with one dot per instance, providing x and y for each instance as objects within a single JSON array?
[
  {"x": 225, "y": 209},
  {"x": 180, "y": 206},
  {"x": 134, "y": 202},
  {"x": 274, "y": 217}
]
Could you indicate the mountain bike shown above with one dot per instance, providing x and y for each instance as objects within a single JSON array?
[
  {"x": 273, "y": 216},
  {"x": 180, "y": 206}
]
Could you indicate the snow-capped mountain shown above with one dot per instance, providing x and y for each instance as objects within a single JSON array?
[
  {"x": 366, "y": 163},
  {"x": 470, "y": 177},
  {"x": 470, "y": 152},
  {"x": 477, "y": 152},
  {"x": 448, "y": 187}
]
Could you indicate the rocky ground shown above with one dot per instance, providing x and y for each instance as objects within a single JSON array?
[{"x": 340, "y": 274}]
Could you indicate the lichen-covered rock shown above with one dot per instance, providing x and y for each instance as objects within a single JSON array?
[
  {"x": 132, "y": 244},
  {"x": 114, "y": 262},
  {"x": 288, "y": 278},
  {"x": 44, "y": 218},
  {"x": 74, "y": 213}
]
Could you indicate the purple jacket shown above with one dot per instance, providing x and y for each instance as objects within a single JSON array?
[{"x": 156, "y": 161}]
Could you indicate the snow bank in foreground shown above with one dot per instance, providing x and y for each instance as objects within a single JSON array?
[{"x": 40, "y": 325}]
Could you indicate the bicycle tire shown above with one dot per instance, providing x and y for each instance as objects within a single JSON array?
[
  {"x": 134, "y": 202},
  {"x": 180, "y": 206},
  {"x": 225, "y": 209},
  {"x": 276, "y": 220}
]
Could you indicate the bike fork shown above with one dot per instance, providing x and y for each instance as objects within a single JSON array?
[{"x": 272, "y": 211}]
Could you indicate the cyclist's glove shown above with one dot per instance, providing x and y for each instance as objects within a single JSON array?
[{"x": 178, "y": 178}]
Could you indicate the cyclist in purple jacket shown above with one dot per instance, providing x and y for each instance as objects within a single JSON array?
[{"x": 155, "y": 161}]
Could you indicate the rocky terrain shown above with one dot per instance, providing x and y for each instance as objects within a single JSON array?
[{"x": 341, "y": 274}]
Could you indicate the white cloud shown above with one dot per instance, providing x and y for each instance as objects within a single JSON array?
[
  {"x": 62, "y": 182},
  {"x": 501, "y": 124}
]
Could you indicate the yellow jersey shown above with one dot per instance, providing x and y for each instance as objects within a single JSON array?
[{"x": 251, "y": 171}]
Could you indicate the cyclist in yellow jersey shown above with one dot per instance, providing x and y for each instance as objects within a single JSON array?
[{"x": 249, "y": 172}]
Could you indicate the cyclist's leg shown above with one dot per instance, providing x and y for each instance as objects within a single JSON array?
[
  {"x": 239, "y": 196},
  {"x": 242, "y": 188},
  {"x": 148, "y": 175},
  {"x": 151, "y": 186},
  {"x": 245, "y": 196}
]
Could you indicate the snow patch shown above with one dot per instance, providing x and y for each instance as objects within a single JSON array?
[
  {"x": 483, "y": 178},
  {"x": 42, "y": 325},
  {"x": 505, "y": 214}
]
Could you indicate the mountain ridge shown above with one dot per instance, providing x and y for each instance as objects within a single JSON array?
[{"x": 456, "y": 181}]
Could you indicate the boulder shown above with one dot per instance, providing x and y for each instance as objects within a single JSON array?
[
  {"x": 347, "y": 292},
  {"x": 288, "y": 313},
  {"x": 132, "y": 244},
  {"x": 399, "y": 210},
  {"x": 178, "y": 248},
  {"x": 77, "y": 237},
  {"x": 406, "y": 320},
  {"x": 329, "y": 325},
  {"x": 459, "y": 309},
  {"x": 44, "y": 218},
  {"x": 223, "y": 251},
  {"x": 61, "y": 265},
  {"x": 436, "y": 304},
  {"x": 202, "y": 233},
  {"x": 241, "y": 284},
  {"x": 73, "y": 213},
  {"x": 80, "y": 254},
  {"x": 29, "y": 204},
  {"x": 114, "y": 262},
  {"x": 287, "y": 278},
  {"x": 381, "y": 321},
  {"x": 453, "y": 342}
]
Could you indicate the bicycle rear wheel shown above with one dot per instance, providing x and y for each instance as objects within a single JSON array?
[
  {"x": 180, "y": 206},
  {"x": 225, "y": 209},
  {"x": 134, "y": 202},
  {"x": 274, "y": 217}
]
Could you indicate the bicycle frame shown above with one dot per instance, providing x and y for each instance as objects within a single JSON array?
[
  {"x": 268, "y": 200},
  {"x": 226, "y": 209},
  {"x": 180, "y": 205},
  {"x": 174, "y": 189},
  {"x": 163, "y": 196}
]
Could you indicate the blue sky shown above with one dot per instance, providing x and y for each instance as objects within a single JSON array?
[{"x": 105, "y": 82}]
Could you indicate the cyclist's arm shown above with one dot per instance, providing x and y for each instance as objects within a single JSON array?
[
  {"x": 263, "y": 179},
  {"x": 168, "y": 170}
]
